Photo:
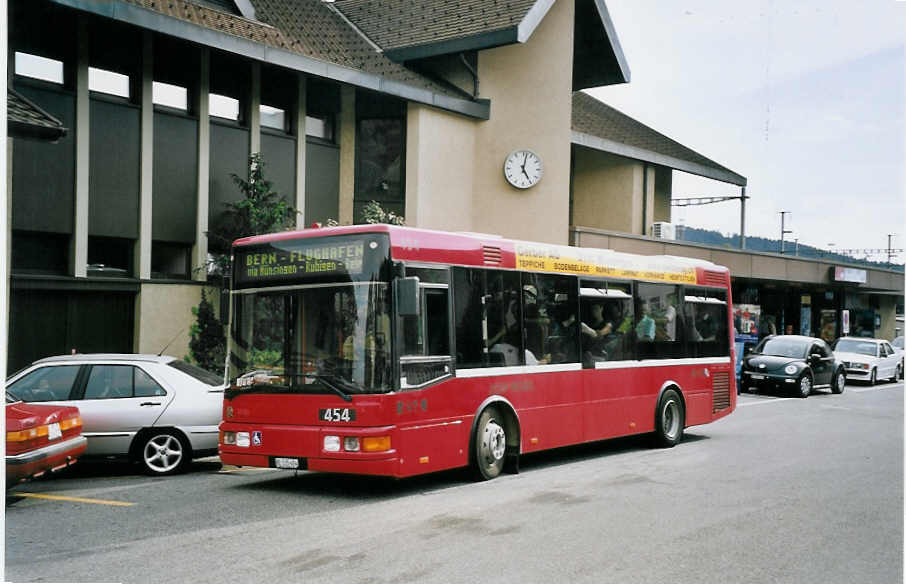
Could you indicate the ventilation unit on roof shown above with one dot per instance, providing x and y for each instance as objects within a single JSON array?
[{"x": 663, "y": 230}]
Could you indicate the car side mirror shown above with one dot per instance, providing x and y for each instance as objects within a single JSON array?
[{"x": 814, "y": 357}]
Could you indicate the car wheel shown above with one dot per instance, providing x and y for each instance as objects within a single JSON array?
[
  {"x": 489, "y": 444},
  {"x": 896, "y": 374},
  {"x": 670, "y": 419},
  {"x": 805, "y": 385},
  {"x": 900, "y": 371},
  {"x": 874, "y": 377},
  {"x": 164, "y": 452},
  {"x": 839, "y": 382}
]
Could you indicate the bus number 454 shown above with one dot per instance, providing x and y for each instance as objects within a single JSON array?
[{"x": 336, "y": 415}]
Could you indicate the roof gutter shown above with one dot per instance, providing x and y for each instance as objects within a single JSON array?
[
  {"x": 645, "y": 155},
  {"x": 168, "y": 25}
]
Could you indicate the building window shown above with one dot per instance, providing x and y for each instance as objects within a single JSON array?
[
  {"x": 223, "y": 107},
  {"x": 109, "y": 82},
  {"x": 35, "y": 67},
  {"x": 36, "y": 252},
  {"x": 273, "y": 117},
  {"x": 170, "y": 260},
  {"x": 110, "y": 257},
  {"x": 169, "y": 95},
  {"x": 380, "y": 174},
  {"x": 320, "y": 127}
]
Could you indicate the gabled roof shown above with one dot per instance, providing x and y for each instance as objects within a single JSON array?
[
  {"x": 310, "y": 36},
  {"x": 414, "y": 29},
  {"x": 27, "y": 120},
  {"x": 597, "y": 125}
]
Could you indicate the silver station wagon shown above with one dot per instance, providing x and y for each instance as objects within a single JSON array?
[{"x": 155, "y": 410}]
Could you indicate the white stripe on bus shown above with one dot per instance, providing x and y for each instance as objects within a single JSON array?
[{"x": 524, "y": 369}]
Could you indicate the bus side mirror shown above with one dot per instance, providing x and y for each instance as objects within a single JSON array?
[{"x": 405, "y": 291}]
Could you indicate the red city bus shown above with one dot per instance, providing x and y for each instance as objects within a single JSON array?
[{"x": 384, "y": 350}]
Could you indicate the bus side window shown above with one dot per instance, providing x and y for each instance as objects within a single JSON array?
[
  {"x": 468, "y": 289},
  {"x": 504, "y": 319},
  {"x": 705, "y": 314},
  {"x": 550, "y": 322},
  {"x": 657, "y": 331}
]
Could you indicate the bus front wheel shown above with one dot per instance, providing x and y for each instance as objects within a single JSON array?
[
  {"x": 670, "y": 419},
  {"x": 489, "y": 444}
]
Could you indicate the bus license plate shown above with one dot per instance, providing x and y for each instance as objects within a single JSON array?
[
  {"x": 290, "y": 463},
  {"x": 336, "y": 415}
]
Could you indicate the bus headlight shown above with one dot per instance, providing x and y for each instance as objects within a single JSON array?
[
  {"x": 351, "y": 443},
  {"x": 331, "y": 443},
  {"x": 242, "y": 439},
  {"x": 228, "y": 438}
]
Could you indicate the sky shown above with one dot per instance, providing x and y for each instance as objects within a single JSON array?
[{"x": 805, "y": 99}]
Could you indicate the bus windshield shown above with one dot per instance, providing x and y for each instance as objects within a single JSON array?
[{"x": 312, "y": 339}]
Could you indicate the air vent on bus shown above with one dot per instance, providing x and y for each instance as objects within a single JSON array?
[
  {"x": 721, "y": 390},
  {"x": 715, "y": 278},
  {"x": 492, "y": 255}
]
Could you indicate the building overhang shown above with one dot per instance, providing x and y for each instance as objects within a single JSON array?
[
  {"x": 168, "y": 25},
  {"x": 598, "y": 58},
  {"x": 645, "y": 155}
]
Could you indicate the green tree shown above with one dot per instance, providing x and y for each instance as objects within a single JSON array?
[
  {"x": 260, "y": 210},
  {"x": 207, "y": 344}
]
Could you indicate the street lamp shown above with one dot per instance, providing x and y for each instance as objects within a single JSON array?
[{"x": 783, "y": 231}]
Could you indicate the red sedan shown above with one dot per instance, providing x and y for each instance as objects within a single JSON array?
[{"x": 40, "y": 439}]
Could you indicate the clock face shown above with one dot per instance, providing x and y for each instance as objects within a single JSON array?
[{"x": 523, "y": 169}]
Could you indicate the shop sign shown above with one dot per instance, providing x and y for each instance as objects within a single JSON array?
[
  {"x": 854, "y": 275},
  {"x": 844, "y": 318},
  {"x": 806, "y": 299}
]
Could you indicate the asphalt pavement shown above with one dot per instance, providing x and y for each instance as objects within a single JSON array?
[{"x": 783, "y": 490}]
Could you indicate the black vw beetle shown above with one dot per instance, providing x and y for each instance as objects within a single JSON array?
[{"x": 792, "y": 363}]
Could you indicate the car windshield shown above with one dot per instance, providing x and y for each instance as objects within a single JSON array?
[
  {"x": 860, "y": 347},
  {"x": 314, "y": 339},
  {"x": 897, "y": 343},
  {"x": 10, "y": 399},
  {"x": 783, "y": 347}
]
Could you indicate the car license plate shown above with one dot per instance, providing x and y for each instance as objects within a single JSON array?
[
  {"x": 291, "y": 463},
  {"x": 54, "y": 432},
  {"x": 754, "y": 376}
]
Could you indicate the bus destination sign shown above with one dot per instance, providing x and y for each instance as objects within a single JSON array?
[
  {"x": 287, "y": 260},
  {"x": 602, "y": 263}
]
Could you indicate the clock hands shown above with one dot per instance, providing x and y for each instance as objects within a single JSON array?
[{"x": 524, "y": 160}]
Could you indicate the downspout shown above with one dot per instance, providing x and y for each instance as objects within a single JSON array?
[
  {"x": 644, "y": 198},
  {"x": 465, "y": 62}
]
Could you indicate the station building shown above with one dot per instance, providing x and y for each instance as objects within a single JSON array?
[{"x": 416, "y": 105}]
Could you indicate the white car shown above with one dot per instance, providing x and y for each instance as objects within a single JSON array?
[
  {"x": 868, "y": 359},
  {"x": 156, "y": 410}
]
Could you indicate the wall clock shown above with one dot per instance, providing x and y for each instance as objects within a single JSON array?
[{"x": 523, "y": 169}]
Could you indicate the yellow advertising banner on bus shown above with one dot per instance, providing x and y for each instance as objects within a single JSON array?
[{"x": 600, "y": 263}]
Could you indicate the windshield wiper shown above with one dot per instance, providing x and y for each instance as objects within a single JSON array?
[{"x": 332, "y": 382}]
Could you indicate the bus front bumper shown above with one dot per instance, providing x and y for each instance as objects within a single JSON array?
[{"x": 309, "y": 448}]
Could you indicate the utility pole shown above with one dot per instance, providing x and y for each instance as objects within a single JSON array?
[
  {"x": 742, "y": 218},
  {"x": 889, "y": 249},
  {"x": 783, "y": 231},
  {"x": 797, "y": 247}
]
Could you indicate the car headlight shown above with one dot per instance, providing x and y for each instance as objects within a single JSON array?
[{"x": 790, "y": 369}]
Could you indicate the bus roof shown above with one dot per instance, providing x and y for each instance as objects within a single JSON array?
[{"x": 492, "y": 251}]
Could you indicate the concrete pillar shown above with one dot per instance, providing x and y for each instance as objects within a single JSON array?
[
  {"x": 143, "y": 251},
  {"x": 255, "y": 110},
  {"x": 299, "y": 131},
  {"x": 79, "y": 244},
  {"x": 202, "y": 106},
  {"x": 347, "y": 153}
]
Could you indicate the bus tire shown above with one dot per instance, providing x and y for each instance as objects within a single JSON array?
[
  {"x": 669, "y": 420},
  {"x": 489, "y": 444}
]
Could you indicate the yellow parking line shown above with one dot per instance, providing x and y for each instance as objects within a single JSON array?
[{"x": 74, "y": 499}]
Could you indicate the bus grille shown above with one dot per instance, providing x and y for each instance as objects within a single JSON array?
[
  {"x": 715, "y": 278},
  {"x": 492, "y": 255},
  {"x": 721, "y": 390}
]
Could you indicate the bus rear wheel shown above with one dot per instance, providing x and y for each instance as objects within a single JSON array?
[
  {"x": 669, "y": 420},
  {"x": 489, "y": 444}
]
